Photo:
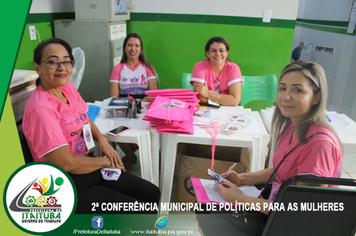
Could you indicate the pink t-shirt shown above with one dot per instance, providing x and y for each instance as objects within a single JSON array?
[
  {"x": 320, "y": 157},
  {"x": 132, "y": 80},
  {"x": 204, "y": 74},
  {"x": 48, "y": 123}
]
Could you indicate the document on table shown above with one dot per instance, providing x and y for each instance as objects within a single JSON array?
[
  {"x": 214, "y": 195},
  {"x": 114, "y": 103},
  {"x": 250, "y": 128},
  {"x": 335, "y": 119}
]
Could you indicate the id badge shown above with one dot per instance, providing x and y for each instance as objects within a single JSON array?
[
  {"x": 274, "y": 190},
  {"x": 88, "y": 137}
]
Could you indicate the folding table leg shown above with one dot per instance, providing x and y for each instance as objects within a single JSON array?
[
  {"x": 145, "y": 156},
  {"x": 169, "y": 152}
]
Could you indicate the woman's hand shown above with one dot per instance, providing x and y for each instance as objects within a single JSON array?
[
  {"x": 229, "y": 191},
  {"x": 201, "y": 89},
  {"x": 146, "y": 99},
  {"x": 105, "y": 149},
  {"x": 233, "y": 177},
  {"x": 202, "y": 99}
]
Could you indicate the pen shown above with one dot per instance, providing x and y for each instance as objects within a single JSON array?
[
  {"x": 232, "y": 167},
  {"x": 125, "y": 103},
  {"x": 327, "y": 117},
  {"x": 202, "y": 106}
]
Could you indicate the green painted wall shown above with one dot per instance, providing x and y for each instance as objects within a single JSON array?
[
  {"x": 174, "y": 48},
  {"x": 27, "y": 46},
  {"x": 43, "y": 22},
  {"x": 173, "y": 43}
]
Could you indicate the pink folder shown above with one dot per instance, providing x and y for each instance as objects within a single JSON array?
[
  {"x": 200, "y": 193},
  {"x": 166, "y": 91},
  {"x": 172, "y": 110},
  {"x": 160, "y": 109}
]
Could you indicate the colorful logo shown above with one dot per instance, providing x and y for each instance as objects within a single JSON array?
[
  {"x": 97, "y": 222},
  {"x": 161, "y": 222},
  {"x": 39, "y": 197}
]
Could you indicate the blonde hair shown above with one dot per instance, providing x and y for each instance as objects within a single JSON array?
[{"x": 316, "y": 75}]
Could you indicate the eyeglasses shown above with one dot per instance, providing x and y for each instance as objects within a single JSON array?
[{"x": 56, "y": 64}]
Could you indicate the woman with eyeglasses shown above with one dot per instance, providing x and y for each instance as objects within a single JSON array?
[
  {"x": 216, "y": 78},
  {"x": 54, "y": 124}
]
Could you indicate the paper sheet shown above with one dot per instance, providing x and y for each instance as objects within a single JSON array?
[
  {"x": 335, "y": 119},
  {"x": 214, "y": 195},
  {"x": 212, "y": 190},
  {"x": 253, "y": 128},
  {"x": 250, "y": 128}
]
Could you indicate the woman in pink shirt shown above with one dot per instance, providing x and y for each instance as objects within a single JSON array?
[
  {"x": 132, "y": 76},
  {"x": 304, "y": 142},
  {"x": 54, "y": 123},
  {"x": 216, "y": 78}
]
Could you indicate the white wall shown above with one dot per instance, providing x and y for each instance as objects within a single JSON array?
[
  {"x": 281, "y": 9},
  {"x": 333, "y": 10},
  {"x": 340, "y": 66},
  {"x": 49, "y": 6}
]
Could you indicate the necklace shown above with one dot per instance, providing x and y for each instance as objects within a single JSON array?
[
  {"x": 217, "y": 85},
  {"x": 217, "y": 80}
]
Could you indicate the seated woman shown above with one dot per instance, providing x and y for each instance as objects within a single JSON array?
[
  {"x": 132, "y": 76},
  {"x": 216, "y": 78},
  {"x": 53, "y": 123},
  {"x": 305, "y": 144}
]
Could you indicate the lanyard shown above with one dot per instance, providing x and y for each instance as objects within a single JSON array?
[{"x": 286, "y": 155}]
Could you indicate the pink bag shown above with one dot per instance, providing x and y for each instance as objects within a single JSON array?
[
  {"x": 171, "y": 110},
  {"x": 166, "y": 91},
  {"x": 166, "y": 109}
]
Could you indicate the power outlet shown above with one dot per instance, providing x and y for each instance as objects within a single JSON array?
[
  {"x": 267, "y": 15},
  {"x": 32, "y": 30}
]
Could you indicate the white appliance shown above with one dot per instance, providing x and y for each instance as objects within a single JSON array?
[{"x": 102, "y": 43}]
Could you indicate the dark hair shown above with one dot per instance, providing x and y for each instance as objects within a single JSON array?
[
  {"x": 141, "y": 57},
  {"x": 37, "y": 55},
  {"x": 216, "y": 40}
]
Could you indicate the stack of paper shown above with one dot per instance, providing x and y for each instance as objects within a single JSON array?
[{"x": 206, "y": 191}]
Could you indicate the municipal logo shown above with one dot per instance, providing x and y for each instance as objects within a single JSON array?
[
  {"x": 97, "y": 222},
  {"x": 39, "y": 197},
  {"x": 161, "y": 222}
]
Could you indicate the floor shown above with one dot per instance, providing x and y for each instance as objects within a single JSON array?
[{"x": 187, "y": 221}]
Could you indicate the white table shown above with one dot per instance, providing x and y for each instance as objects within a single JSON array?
[
  {"x": 266, "y": 115},
  {"x": 140, "y": 134},
  {"x": 256, "y": 143},
  {"x": 346, "y": 133}
]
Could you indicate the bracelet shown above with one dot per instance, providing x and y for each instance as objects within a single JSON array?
[{"x": 217, "y": 98}]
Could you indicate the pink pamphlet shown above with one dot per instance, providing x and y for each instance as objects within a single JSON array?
[
  {"x": 163, "y": 108},
  {"x": 200, "y": 192},
  {"x": 166, "y": 91},
  {"x": 172, "y": 110}
]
